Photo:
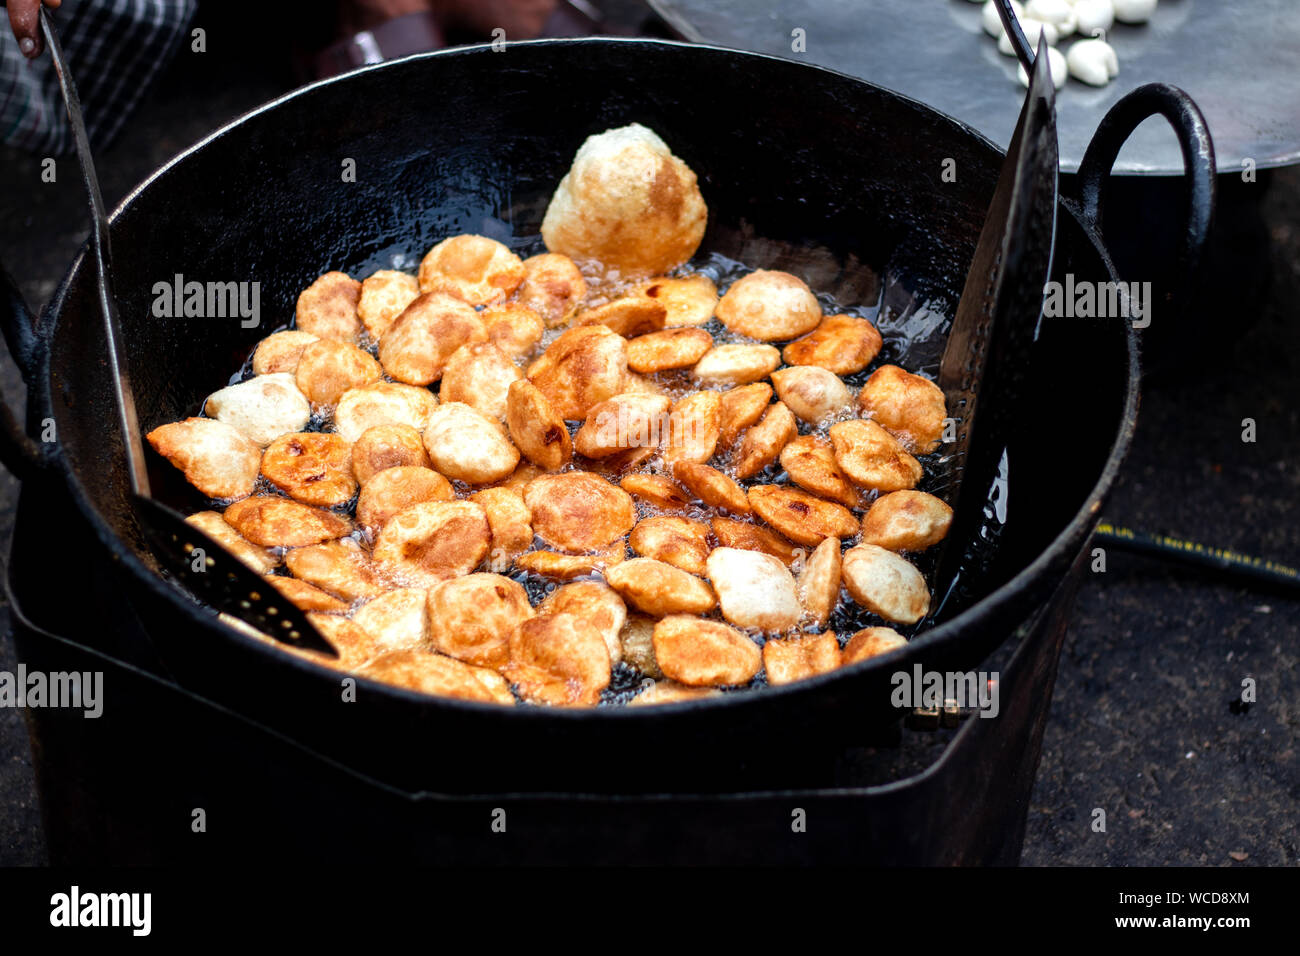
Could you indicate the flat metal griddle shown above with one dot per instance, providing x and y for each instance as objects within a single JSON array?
[{"x": 1239, "y": 61}]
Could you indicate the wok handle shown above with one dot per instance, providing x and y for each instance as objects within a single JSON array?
[
  {"x": 18, "y": 452},
  {"x": 1155, "y": 99}
]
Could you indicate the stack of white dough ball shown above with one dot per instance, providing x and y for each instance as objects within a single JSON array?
[{"x": 1090, "y": 58}]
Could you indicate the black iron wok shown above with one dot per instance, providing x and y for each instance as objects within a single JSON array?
[{"x": 801, "y": 167}]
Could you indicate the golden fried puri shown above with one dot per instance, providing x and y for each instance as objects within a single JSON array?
[
  {"x": 625, "y": 421},
  {"x": 559, "y": 659},
  {"x": 280, "y": 352},
  {"x": 796, "y": 658},
  {"x": 628, "y": 316},
  {"x": 312, "y": 467},
  {"x": 843, "y": 344},
  {"x": 355, "y": 645},
  {"x": 383, "y": 403},
  {"x": 677, "y": 541},
  {"x": 751, "y": 537},
  {"x": 432, "y": 541},
  {"x": 327, "y": 369},
  {"x": 263, "y": 408},
  {"x": 583, "y": 366},
  {"x": 872, "y": 457},
  {"x": 657, "y": 491},
  {"x": 440, "y": 676},
  {"x": 762, "y": 443},
  {"x": 399, "y": 619},
  {"x": 810, "y": 463},
  {"x": 801, "y": 517},
  {"x": 274, "y": 522},
  {"x": 475, "y": 269},
  {"x": 340, "y": 568},
  {"x": 885, "y": 584},
  {"x": 218, "y": 459},
  {"x": 514, "y": 329},
  {"x": 597, "y": 604},
  {"x": 769, "y": 306},
  {"x": 393, "y": 490},
  {"x": 416, "y": 347},
  {"x": 693, "y": 428},
  {"x": 812, "y": 393},
  {"x": 656, "y": 588},
  {"x": 908, "y": 406},
  {"x": 471, "y": 618},
  {"x": 578, "y": 511},
  {"x": 742, "y": 406},
  {"x": 510, "y": 523},
  {"x": 307, "y": 597},
  {"x": 479, "y": 375},
  {"x": 906, "y": 521},
  {"x": 690, "y": 300},
  {"x": 712, "y": 487},
  {"x": 220, "y": 530},
  {"x": 818, "y": 585},
  {"x": 328, "y": 308},
  {"x": 537, "y": 429},
  {"x": 666, "y": 691},
  {"x": 387, "y": 446},
  {"x": 736, "y": 364},
  {"x": 872, "y": 642},
  {"x": 384, "y": 296},
  {"x": 566, "y": 567},
  {"x": 628, "y": 203},
  {"x": 702, "y": 653},
  {"x": 669, "y": 349},
  {"x": 466, "y": 445},
  {"x": 553, "y": 287}
]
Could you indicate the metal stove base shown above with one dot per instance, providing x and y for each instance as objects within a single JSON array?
[{"x": 132, "y": 786}]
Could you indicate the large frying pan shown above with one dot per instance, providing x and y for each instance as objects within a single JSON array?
[{"x": 802, "y": 168}]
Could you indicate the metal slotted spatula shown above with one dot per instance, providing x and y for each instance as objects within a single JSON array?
[
  {"x": 987, "y": 352},
  {"x": 211, "y": 572}
]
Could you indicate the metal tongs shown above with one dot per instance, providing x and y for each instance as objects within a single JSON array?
[
  {"x": 210, "y": 571},
  {"x": 987, "y": 351}
]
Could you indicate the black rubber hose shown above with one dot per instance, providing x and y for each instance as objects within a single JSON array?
[{"x": 1244, "y": 567}]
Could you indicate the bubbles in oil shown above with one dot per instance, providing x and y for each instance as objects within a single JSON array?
[{"x": 912, "y": 332}]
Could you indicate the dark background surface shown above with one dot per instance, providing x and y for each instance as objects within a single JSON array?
[{"x": 1143, "y": 723}]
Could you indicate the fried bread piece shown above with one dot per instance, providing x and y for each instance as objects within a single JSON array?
[{"x": 217, "y": 458}]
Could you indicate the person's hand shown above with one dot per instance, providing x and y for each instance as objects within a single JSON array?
[
  {"x": 25, "y": 19},
  {"x": 521, "y": 19}
]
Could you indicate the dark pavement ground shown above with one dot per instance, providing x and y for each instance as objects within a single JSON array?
[{"x": 1142, "y": 723}]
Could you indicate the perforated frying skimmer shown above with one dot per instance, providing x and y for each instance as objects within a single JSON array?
[
  {"x": 988, "y": 349},
  {"x": 206, "y": 568}
]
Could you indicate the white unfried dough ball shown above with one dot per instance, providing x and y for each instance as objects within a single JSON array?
[
  {"x": 992, "y": 22},
  {"x": 1093, "y": 61},
  {"x": 1093, "y": 15},
  {"x": 1056, "y": 60},
  {"x": 1134, "y": 11},
  {"x": 263, "y": 408},
  {"x": 1059, "y": 13},
  {"x": 1032, "y": 30},
  {"x": 628, "y": 202}
]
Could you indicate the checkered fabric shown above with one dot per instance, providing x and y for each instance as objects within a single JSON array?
[{"x": 114, "y": 48}]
